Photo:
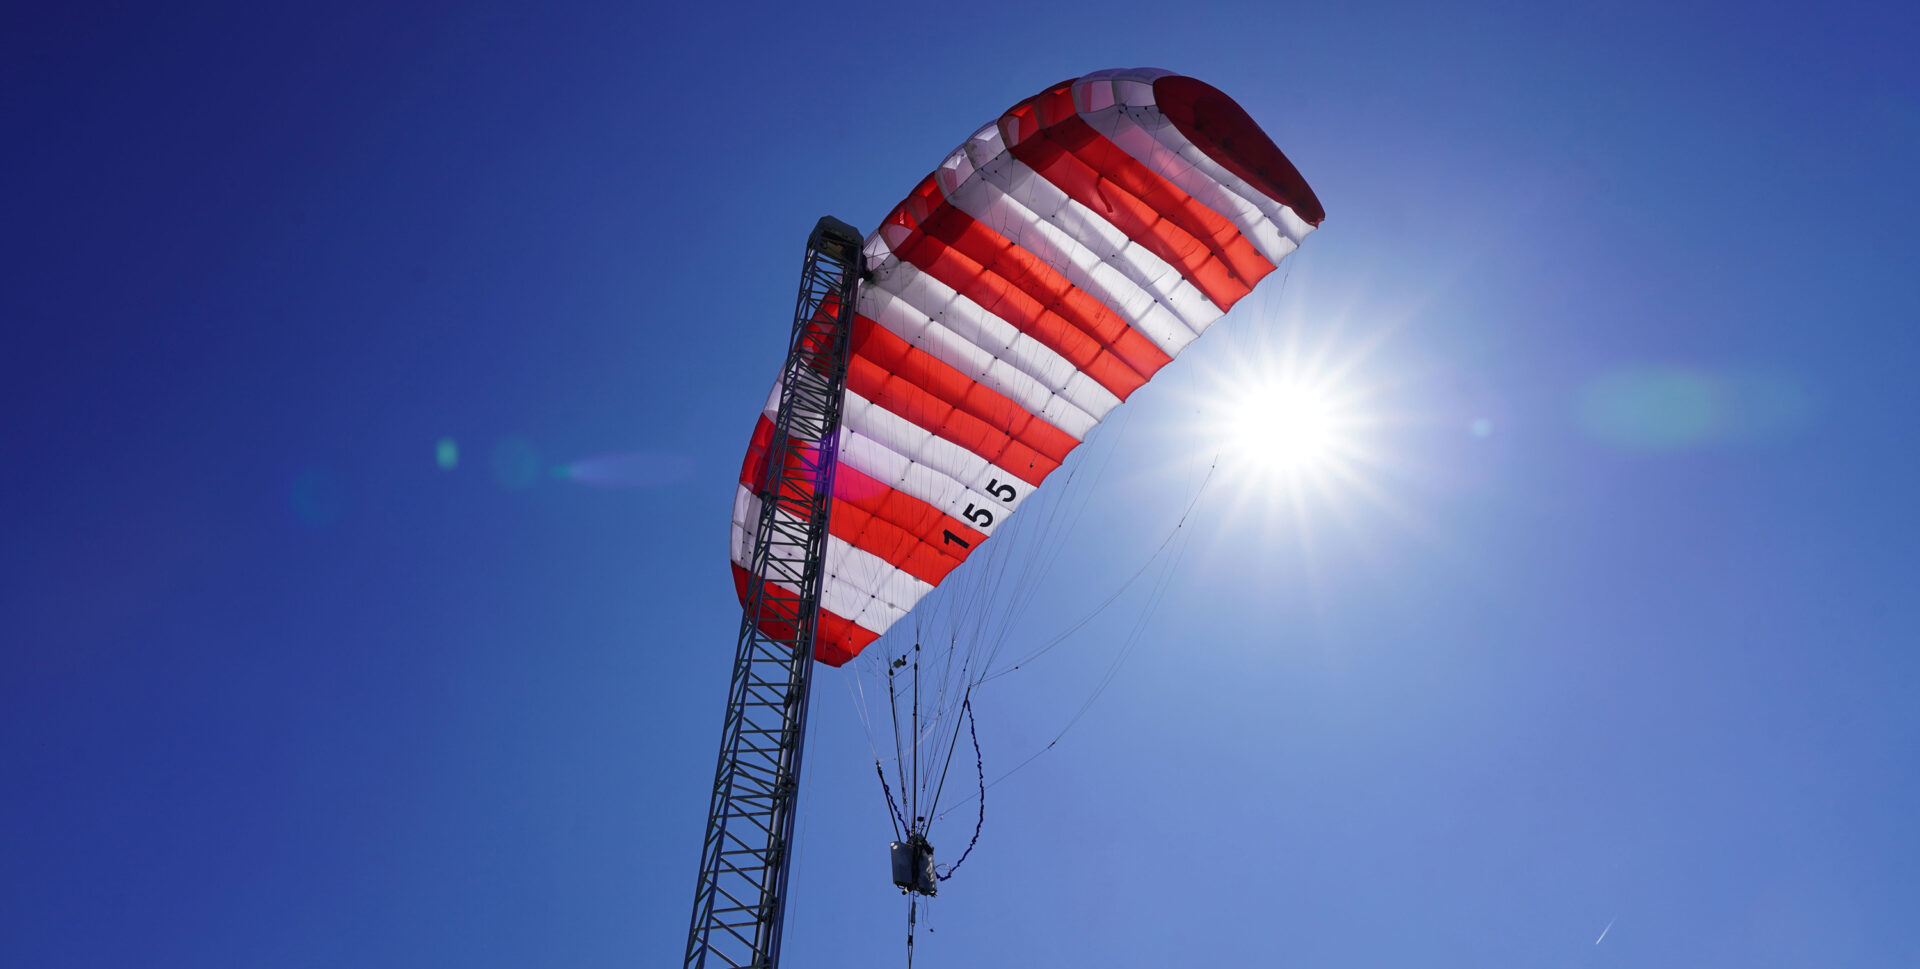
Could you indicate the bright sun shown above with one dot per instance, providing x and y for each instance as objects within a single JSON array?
[
  {"x": 1292, "y": 428},
  {"x": 1295, "y": 419},
  {"x": 1283, "y": 426}
]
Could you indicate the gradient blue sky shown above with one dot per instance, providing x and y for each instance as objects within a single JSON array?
[{"x": 278, "y": 690}]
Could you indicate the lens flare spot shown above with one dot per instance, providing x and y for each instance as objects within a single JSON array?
[
  {"x": 516, "y": 463},
  {"x": 1653, "y": 410},
  {"x": 318, "y": 497},
  {"x": 446, "y": 454},
  {"x": 1672, "y": 408},
  {"x": 627, "y": 469}
]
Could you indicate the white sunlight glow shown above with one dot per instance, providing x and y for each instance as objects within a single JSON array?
[
  {"x": 1287, "y": 427},
  {"x": 1282, "y": 426},
  {"x": 1290, "y": 414},
  {"x": 1294, "y": 437}
]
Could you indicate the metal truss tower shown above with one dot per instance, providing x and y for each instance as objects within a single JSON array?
[{"x": 741, "y": 899}]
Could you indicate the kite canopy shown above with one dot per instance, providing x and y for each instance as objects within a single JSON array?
[{"x": 1051, "y": 265}]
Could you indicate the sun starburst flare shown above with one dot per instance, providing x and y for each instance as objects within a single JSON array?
[{"x": 1296, "y": 421}]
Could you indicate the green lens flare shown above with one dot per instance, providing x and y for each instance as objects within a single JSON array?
[
  {"x": 1672, "y": 408},
  {"x": 516, "y": 463},
  {"x": 446, "y": 453},
  {"x": 318, "y": 497}
]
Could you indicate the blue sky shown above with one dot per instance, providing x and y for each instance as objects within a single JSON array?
[{"x": 280, "y": 690}]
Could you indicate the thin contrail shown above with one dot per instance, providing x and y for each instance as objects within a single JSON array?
[{"x": 1609, "y": 928}]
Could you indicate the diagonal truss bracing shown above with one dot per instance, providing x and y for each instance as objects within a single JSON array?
[{"x": 741, "y": 898}]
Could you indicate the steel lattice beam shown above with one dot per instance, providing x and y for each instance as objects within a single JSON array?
[{"x": 741, "y": 898}]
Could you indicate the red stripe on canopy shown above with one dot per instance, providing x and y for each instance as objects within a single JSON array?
[
  {"x": 1219, "y": 127},
  {"x": 934, "y": 396},
  {"x": 1047, "y": 134},
  {"x": 836, "y": 639},
  {"x": 882, "y": 521},
  {"x": 1013, "y": 284}
]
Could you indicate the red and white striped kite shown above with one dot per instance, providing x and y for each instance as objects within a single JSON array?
[{"x": 1045, "y": 271}]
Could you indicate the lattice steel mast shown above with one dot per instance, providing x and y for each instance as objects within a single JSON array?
[{"x": 741, "y": 899}]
